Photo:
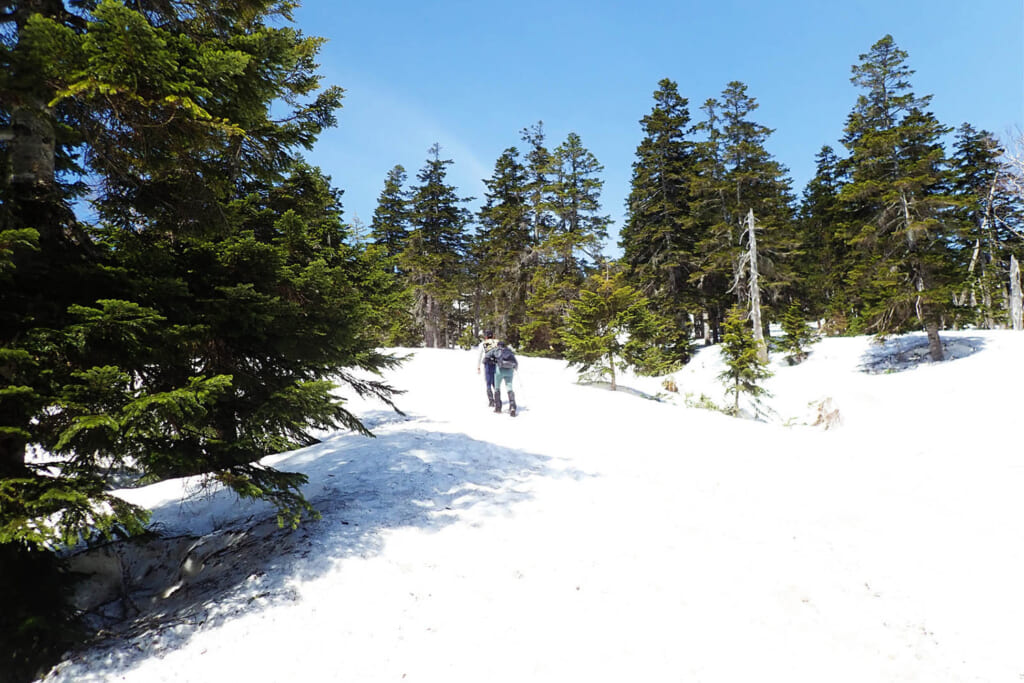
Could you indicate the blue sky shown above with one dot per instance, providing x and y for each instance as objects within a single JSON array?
[{"x": 470, "y": 75}]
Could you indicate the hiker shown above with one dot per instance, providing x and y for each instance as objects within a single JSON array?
[
  {"x": 505, "y": 365},
  {"x": 483, "y": 358}
]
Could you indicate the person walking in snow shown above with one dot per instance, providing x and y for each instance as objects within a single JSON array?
[
  {"x": 483, "y": 359},
  {"x": 505, "y": 366}
]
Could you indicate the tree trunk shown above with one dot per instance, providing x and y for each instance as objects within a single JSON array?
[
  {"x": 755, "y": 291},
  {"x": 934, "y": 343},
  {"x": 1016, "y": 307}
]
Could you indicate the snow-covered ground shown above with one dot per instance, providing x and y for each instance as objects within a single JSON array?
[{"x": 602, "y": 536}]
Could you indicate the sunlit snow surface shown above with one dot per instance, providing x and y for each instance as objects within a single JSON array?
[{"x": 604, "y": 536}]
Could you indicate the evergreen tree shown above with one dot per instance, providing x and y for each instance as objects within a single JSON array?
[
  {"x": 539, "y": 167},
  {"x": 611, "y": 328},
  {"x": 435, "y": 250},
  {"x": 659, "y": 237},
  {"x": 736, "y": 174},
  {"x": 820, "y": 263},
  {"x": 744, "y": 370},
  {"x": 504, "y": 244},
  {"x": 797, "y": 335},
  {"x": 193, "y": 328},
  {"x": 903, "y": 272},
  {"x": 990, "y": 214},
  {"x": 572, "y": 245},
  {"x": 757, "y": 182},
  {"x": 391, "y": 219},
  {"x": 389, "y": 229}
]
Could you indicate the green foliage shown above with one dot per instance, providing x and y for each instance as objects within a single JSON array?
[
  {"x": 660, "y": 235},
  {"x": 797, "y": 335},
  {"x": 503, "y": 249},
  {"x": 435, "y": 249},
  {"x": 901, "y": 273},
  {"x": 610, "y": 328},
  {"x": 744, "y": 370},
  {"x": 569, "y": 245},
  {"x": 467, "y": 339},
  {"x": 215, "y": 310}
]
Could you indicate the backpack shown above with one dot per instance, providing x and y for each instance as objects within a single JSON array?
[
  {"x": 489, "y": 346},
  {"x": 505, "y": 357}
]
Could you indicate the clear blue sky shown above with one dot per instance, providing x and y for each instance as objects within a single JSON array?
[{"x": 470, "y": 74}]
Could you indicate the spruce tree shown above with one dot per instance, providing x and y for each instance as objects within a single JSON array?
[
  {"x": 435, "y": 250},
  {"x": 990, "y": 213},
  {"x": 391, "y": 218},
  {"x": 194, "y": 326},
  {"x": 389, "y": 229},
  {"x": 504, "y": 244},
  {"x": 796, "y": 334},
  {"x": 901, "y": 229},
  {"x": 758, "y": 183},
  {"x": 610, "y": 328},
  {"x": 822, "y": 255},
  {"x": 659, "y": 237},
  {"x": 571, "y": 247},
  {"x": 744, "y": 369},
  {"x": 736, "y": 174}
]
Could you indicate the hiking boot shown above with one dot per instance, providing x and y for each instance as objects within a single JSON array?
[
  {"x": 490, "y": 398},
  {"x": 512, "y": 403},
  {"x": 497, "y": 402}
]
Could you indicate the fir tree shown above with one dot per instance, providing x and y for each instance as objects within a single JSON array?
[
  {"x": 903, "y": 272},
  {"x": 659, "y": 237},
  {"x": 504, "y": 244},
  {"x": 796, "y": 334},
  {"x": 758, "y": 183},
  {"x": 193, "y": 328},
  {"x": 391, "y": 218},
  {"x": 820, "y": 263},
  {"x": 736, "y": 174},
  {"x": 389, "y": 228},
  {"x": 570, "y": 248},
  {"x": 611, "y": 328},
  {"x": 990, "y": 213},
  {"x": 435, "y": 250},
  {"x": 744, "y": 370}
]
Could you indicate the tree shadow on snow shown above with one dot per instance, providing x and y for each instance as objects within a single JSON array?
[
  {"x": 906, "y": 352},
  {"x": 151, "y": 594}
]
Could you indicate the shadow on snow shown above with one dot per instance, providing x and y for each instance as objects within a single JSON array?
[
  {"x": 164, "y": 589},
  {"x": 906, "y": 352}
]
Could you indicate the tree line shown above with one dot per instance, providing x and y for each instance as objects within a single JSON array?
[
  {"x": 180, "y": 294},
  {"x": 894, "y": 233}
]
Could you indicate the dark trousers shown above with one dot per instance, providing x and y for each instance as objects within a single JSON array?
[{"x": 489, "y": 376}]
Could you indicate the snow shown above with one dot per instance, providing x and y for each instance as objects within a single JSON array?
[{"x": 603, "y": 536}]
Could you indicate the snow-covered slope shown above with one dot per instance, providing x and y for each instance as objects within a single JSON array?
[{"x": 603, "y": 536}]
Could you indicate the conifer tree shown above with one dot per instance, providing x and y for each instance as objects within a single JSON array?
[
  {"x": 820, "y": 262},
  {"x": 192, "y": 328},
  {"x": 659, "y": 237},
  {"x": 904, "y": 272},
  {"x": 213, "y": 255},
  {"x": 538, "y": 164},
  {"x": 990, "y": 214},
  {"x": 744, "y": 369},
  {"x": 736, "y": 174},
  {"x": 611, "y": 328},
  {"x": 796, "y": 334},
  {"x": 570, "y": 248},
  {"x": 390, "y": 232},
  {"x": 391, "y": 218},
  {"x": 504, "y": 243},
  {"x": 759, "y": 183},
  {"x": 435, "y": 250}
]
